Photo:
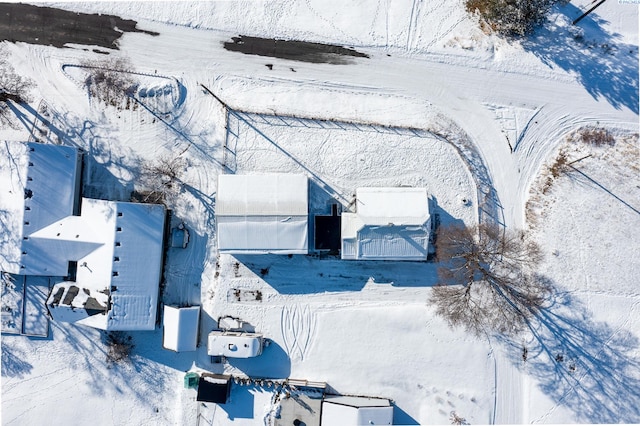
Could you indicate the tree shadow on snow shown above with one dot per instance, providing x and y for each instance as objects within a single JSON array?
[
  {"x": 580, "y": 177},
  {"x": 604, "y": 65},
  {"x": 14, "y": 362},
  {"x": 46, "y": 125},
  {"x": 582, "y": 364}
]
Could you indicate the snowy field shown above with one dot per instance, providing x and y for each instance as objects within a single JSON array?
[{"x": 477, "y": 120}]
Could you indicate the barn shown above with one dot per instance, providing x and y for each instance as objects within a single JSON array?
[
  {"x": 260, "y": 214},
  {"x": 388, "y": 224}
]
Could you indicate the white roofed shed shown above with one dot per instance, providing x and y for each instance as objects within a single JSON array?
[
  {"x": 180, "y": 328},
  {"x": 262, "y": 214},
  {"x": 356, "y": 411}
]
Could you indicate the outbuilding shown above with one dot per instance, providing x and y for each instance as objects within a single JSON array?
[
  {"x": 259, "y": 214},
  {"x": 388, "y": 224},
  {"x": 180, "y": 328},
  {"x": 356, "y": 411},
  {"x": 214, "y": 388}
]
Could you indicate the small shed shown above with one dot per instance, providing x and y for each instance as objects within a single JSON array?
[
  {"x": 356, "y": 411},
  {"x": 234, "y": 344},
  {"x": 180, "y": 328},
  {"x": 214, "y": 388}
]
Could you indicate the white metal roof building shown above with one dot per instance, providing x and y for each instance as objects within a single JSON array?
[
  {"x": 262, "y": 214},
  {"x": 355, "y": 411},
  {"x": 39, "y": 185},
  {"x": 389, "y": 224},
  {"x": 180, "y": 328},
  {"x": 111, "y": 254}
]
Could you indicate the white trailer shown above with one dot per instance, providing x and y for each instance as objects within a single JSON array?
[{"x": 234, "y": 344}]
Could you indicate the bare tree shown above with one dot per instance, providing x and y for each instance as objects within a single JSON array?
[
  {"x": 13, "y": 88},
  {"x": 486, "y": 281},
  {"x": 511, "y": 17},
  {"x": 110, "y": 80},
  {"x": 161, "y": 180},
  {"x": 119, "y": 347}
]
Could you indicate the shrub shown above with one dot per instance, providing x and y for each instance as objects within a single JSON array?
[
  {"x": 110, "y": 80},
  {"x": 160, "y": 181},
  {"x": 595, "y": 136},
  {"x": 14, "y": 88},
  {"x": 560, "y": 165},
  {"x": 119, "y": 347},
  {"x": 510, "y": 17}
]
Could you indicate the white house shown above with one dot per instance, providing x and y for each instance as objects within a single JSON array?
[
  {"x": 180, "y": 328},
  {"x": 259, "y": 214},
  {"x": 388, "y": 224},
  {"x": 105, "y": 256},
  {"x": 234, "y": 344},
  {"x": 356, "y": 411}
]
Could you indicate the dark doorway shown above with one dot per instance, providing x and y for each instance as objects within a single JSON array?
[{"x": 327, "y": 231}]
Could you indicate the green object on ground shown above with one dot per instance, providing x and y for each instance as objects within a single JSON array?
[{"x": 191, "y": 380}]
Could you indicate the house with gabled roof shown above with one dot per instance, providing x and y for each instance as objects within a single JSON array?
[
  {"x": 388, "y": 224},
  {"x": 105, "y": 256}
]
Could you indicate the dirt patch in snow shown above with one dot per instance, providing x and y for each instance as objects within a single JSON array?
[
  {"x": 57, "y": 27},
  {"x": 293, "y": 49}
]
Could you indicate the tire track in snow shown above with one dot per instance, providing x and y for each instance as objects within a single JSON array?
[
  {"x": 410, "y": 27},
  {"x": 298, "y": 327},
  {"x": 509, "y": 397},
  {"x": 441, "y": 34},
  {"x": 539, "y": 140},
  {"x": 329, "y": 22}
]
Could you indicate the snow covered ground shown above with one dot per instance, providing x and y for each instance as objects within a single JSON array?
[{"x": 505, "y": 109}]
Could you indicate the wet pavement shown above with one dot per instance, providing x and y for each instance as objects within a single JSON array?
[
  {"x": 294, "y": 50},
  {"x": 57, "y": 27}
]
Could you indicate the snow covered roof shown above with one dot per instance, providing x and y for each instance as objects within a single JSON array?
[
  {"x": 350, "y": 410},
  {"x": 399, "y": 206},
  {"x": 125, "y": 263},
  {"x": 38, "y": 187},
  {"x": 262, "y": 195},
  {"x": 262, "y": 213},
  {"x": 234, "y": 344},
  {"x": 181, "y": 328},
  {"x": 389, "y": 224},
  {"x": 114, "y": 249}
]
